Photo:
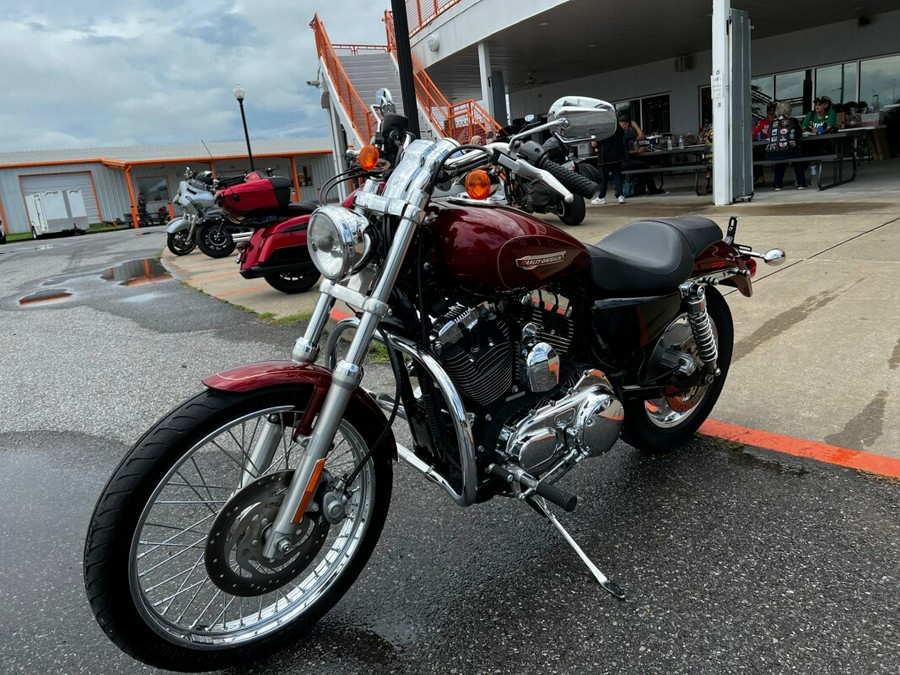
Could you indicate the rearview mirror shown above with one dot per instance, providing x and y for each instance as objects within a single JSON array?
[
  {"x": 588, "y": 118},
  {"x": 384, "y": 101}
]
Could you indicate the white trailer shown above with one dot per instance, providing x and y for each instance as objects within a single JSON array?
[{"x": 56, "y": 211}]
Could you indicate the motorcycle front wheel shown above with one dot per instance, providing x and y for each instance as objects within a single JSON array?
[
  {"x": 292, "y": 282},
  {"x": 665, "y": 422},
  {"x": 173, "y": 565},
  {"x": 571, "y": 214},
  {"x": 215, "y": 241},
  {"x": 181, "y": 242}
]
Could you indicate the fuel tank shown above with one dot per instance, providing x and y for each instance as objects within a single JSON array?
[{"x": 487, "y": 248}]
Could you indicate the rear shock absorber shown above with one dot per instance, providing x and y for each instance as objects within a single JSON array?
[{"x": 695, "y": 298}]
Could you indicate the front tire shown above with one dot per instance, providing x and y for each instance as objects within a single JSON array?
[
  {"x": 666, "y": 422},
  {"x": 157, "y": 531},
  {"x": 215, "y": 241},
  {"x": 181, "y": 242},
  {"x": 572, "y": 214},
  {"x": 292, "y": 282}
]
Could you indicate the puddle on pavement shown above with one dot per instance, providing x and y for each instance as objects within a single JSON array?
[
  {"x": 135, "y": 272},
  {"x": 50, "y": 295}
]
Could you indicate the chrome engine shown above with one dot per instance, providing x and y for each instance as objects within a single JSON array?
[
  {"x": 475, "y": 348},
  {"x": 586, "y": 421}
]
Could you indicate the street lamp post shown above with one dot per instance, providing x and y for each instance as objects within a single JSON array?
[{"x": 239, "y": 95}]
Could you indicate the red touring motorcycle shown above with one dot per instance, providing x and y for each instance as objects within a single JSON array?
[
  {"x": 244, "y": 515},
  {"x": 276, "y": 248}
]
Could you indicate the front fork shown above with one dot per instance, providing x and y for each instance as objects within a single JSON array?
[{"x": 345, "y": 379}]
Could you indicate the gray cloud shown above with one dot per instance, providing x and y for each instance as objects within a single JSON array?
[{"x": 90, "y": 73}]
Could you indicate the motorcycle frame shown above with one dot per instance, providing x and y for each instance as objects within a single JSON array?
[{"x": 404, "y": 200}]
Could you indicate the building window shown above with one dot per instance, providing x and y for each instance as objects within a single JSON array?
[
  {"x": 837, "y": 82},
  {"x": 651, "y": 113},
  {"x": 304, "y": 175},
  {"x": 878, "y": 80},
  {"x": 789, "y": 88},
  {"x": 154, "y": 188}
]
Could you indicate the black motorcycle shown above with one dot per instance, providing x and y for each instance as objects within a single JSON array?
[{"x": 534, "y": 197}]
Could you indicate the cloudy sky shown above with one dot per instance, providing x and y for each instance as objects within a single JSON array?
[{"x": 93, "y": 73}]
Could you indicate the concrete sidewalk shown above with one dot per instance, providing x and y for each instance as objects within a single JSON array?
[{"x": 817, "y": 348}]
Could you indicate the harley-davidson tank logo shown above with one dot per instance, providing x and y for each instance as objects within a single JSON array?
[{"x": 532, "y": 261}]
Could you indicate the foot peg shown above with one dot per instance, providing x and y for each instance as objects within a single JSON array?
[
  {"x": 607, "y": 584},
  {"x": 564, "y": 500}
]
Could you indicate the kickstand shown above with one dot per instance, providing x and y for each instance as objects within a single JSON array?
[{"x": 540, "y": 505}]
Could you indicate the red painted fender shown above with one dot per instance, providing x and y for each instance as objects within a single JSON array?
[{"x": 254, "y": 376}]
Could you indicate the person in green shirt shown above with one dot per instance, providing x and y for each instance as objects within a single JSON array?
[{"x": 822, "y": 119}]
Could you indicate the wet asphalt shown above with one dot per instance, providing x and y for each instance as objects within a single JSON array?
[{"x": 733, "y": 559}]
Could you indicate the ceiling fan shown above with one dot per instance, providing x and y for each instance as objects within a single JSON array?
[{"x": 531, "y": 81}]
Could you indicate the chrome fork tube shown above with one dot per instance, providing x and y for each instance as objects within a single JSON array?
[
  {"x": 306, "y": 348},
  {"x": 345, "y": 379},
  {"x": 263, "y": 451}
]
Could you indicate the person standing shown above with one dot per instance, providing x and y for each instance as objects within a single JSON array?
[
  {"x": 784, "y": 143},
  {"x": 610, "y": 155},
  {"x": 761, "y": 133}
]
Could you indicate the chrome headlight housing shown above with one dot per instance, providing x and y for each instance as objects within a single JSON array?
[{"x": 337, "y": 241}]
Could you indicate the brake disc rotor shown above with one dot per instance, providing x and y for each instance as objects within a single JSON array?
[{"x": 234, "y": 558}]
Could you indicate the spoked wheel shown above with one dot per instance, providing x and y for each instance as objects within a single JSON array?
[
  {"x": 215, "y": 241},
  {"x": 292, "y": 282},
  {"x": 571, "y": 214},
  {"x": 671, "y": 419},
  {"x": 173, "y": 561},
  {"x": 181, "y": 242}
]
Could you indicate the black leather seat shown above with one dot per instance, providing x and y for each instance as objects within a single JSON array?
[
  {"x": 298, "y": 209},
  {"x": 650, "y": 256}
]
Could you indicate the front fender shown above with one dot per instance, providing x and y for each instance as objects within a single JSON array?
[
  {"x": 177, "y": 225},
  {"x": 254, "y": 376}
]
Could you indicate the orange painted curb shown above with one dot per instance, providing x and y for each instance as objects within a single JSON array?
[{"x": 853, "y": 459}]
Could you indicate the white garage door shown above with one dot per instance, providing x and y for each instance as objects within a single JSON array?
[{"x": 65, "y": 181}]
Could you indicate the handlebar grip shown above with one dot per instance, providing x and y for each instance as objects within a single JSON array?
[{"x": 573, "y": 181}]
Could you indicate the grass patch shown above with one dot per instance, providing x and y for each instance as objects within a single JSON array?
[
  {"x": 93, "y": 228},
  {"x": 270, "y": 318}
]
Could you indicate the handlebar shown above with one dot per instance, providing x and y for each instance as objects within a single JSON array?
[{"x": 572, "y": 180}]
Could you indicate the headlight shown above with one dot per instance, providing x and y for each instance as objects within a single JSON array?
[{"x": 337, "y": 240}]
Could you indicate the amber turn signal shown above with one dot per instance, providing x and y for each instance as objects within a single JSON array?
[
  {"x": 478, "y": 184},
  {"x": 368, "y": 157}
]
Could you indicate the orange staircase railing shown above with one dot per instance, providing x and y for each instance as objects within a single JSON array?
[
  {"x": 420, "y": 13},
  {"x": 460, "y": 121},
  {"x": 362, "y": 119}
]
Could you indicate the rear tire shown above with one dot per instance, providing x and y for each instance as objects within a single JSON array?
[
  {"x": 158, "y": 529},
  {"x": 572, "y": 214},
  {"x": 181, "y": 242},
  {"x": 215, "y": 241},
  {"x": 292, "y": 282},
  {"x": 657, "y": 425}
]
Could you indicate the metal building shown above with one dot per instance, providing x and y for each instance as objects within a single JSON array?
[{"x": 110, "y": 179}]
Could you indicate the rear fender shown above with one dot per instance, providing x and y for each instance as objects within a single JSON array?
[
  {"x": 721, "y": 256},
  {"x": 254, "y": 376}
]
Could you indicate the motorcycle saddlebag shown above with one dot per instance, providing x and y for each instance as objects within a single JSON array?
[{"x": 257, "y": 193}]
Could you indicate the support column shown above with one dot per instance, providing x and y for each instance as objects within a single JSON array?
[
  {"x": 720, "y": 89},
  {"x": 484, "y": 73}
]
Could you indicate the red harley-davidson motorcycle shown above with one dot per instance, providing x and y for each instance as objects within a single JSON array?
[
  {"x": 246, "y": 513},
  {"x": 275, "y": 249}
]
